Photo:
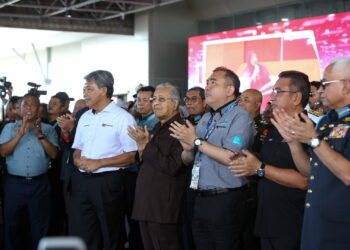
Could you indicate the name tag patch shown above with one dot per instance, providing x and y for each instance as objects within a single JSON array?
[
  {"x": 339, "y": 131},
  {"x": 237, "y": 140}
]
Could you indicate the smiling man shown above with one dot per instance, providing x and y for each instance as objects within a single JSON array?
[{"x": 102, "y": 149}]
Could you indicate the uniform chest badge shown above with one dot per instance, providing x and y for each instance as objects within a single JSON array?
[{"x": 339, "y": 131}]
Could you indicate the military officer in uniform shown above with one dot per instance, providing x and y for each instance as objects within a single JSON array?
[{"x": 326, "y": 222}]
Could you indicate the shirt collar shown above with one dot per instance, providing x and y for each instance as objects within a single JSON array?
[
  {"x": 109, "y": 108},
  {"x": 220, "y": 110}
]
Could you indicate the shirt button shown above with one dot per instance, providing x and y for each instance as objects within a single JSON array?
[
  {"x": 309, "y": 191},
  {"x": 310, "y": 158},
  {"x": 308, "y": 205},
  {"x": 312, "y": 177},
  {"x": 315, "y": 164}
]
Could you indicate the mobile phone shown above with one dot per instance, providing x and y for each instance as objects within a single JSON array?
[{"x": 61, "y": 243}]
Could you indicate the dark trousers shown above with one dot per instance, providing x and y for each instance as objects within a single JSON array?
[
  {"x": 98, "y": 207},
  {"x": 134, "y": 236},
  {"x": 291, "y": 242},
  {"x": 156, "y": 236},
  {"x": 187, "y": 236},
  {"x": 33, "y": 195},
  {"x": 215, "y": 222}
]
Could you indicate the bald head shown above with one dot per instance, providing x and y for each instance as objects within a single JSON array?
[
  {"x": 78, "y": 106},
  {"x": 251, "y": 100},
  {"x": 336, "y": 93}
]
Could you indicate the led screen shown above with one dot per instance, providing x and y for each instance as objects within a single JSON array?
[{"x": 258, "y": 54}]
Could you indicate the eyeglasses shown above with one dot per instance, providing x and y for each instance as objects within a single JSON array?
[
  {"x": 325, "y": 83},
  {"x": 278, "y": 91},
  {"x": 191, "y": 99},
  {"x": 160, "y": 99}
]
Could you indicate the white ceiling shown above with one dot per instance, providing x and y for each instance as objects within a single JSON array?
[{"x": 22, "y": 39}]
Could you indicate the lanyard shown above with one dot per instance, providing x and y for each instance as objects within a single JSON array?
[{"x": 209, "y": 129}]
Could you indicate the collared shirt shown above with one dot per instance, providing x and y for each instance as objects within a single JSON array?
[
  {"x": 29, "y": 157},
  {"x": 150, "y": 121},
  {"x": 234, "y": 130},
  {"x": 280, "y": 208},
  {"x": 104, "y": 134}
]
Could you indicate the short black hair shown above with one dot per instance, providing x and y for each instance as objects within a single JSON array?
[
  {"x": 201, "y": 91},
  {"x": 146, "y": 89},
  {"x": 102, "y": 79},
  {"x": 14, "y": 99},
  {"x": 231, "y": 78},
  {"x": 32, "y": 95},
  {"x": 316, "y": 84},
  {"x": 299, "y": 81}
]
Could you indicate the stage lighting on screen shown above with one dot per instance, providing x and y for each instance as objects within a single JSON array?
[{"x": 258, "y": 54}]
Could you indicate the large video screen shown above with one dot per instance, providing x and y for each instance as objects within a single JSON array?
[{"x": 258, "y": 54}]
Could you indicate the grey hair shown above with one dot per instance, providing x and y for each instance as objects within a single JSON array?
[
  {"x": 175, "y": 94},
  {"x": 340, "y": 63},
  {"x": 102, "y": 79}
]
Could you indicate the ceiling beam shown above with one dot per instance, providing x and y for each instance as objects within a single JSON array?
[
  {"x": 130, "y": 2},
  {"x": 8, "y": 3},
  {"x": 139, "y": 10},
  {"x": 72, "y": 7},
  {"x": 58, "y": 7}
]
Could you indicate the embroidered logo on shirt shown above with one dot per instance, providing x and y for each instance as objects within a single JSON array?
[
  {"x": 237, "y": 140},
  {"x": 106, "y": 125},
  {"x": 339, "y": 131}
]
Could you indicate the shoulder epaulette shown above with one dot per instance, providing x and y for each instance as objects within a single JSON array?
[{"x": 315, "y": 113}]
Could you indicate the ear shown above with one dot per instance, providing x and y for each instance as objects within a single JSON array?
[
  {"x": 104, "y": 90},
  {"x": 230, "y": 90},
  {"x": 346, "y": 88},
  {"x": 177, "y": 102},
  {"x": 297, "y": 98}
]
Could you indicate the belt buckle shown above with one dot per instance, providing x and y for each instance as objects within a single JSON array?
[{"x": 28, "y": 178}]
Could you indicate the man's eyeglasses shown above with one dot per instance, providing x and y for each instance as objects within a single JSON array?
[
  {"x": 159, "y": 99},
  {"x": 191, "y": 99},
  {"x": 278, "y": 91},
  {"x": 325, "y": 83}
]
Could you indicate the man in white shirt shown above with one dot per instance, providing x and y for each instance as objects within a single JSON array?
[{"x": 102, "y": 148}]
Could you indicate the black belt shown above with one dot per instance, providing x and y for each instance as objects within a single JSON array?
[
  {"x": 217, "y": 191},
  {"x": 28, "y": 178}
]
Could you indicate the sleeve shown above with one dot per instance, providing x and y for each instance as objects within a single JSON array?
[
  {"x": 240, "y": 134},
  {"x": 52, "y": 135},
  {"x": 127, "y": 143},
  {"x": 77, "y": 144},
  {"x": 7, "y": 133},
  {"x": 165, "y": 156}
]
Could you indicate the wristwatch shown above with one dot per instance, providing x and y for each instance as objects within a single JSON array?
[
  {"x": 41, "y": 137},
  {"x": 198, "y": 142},
  {"x": 315, "y": 142},
  {"x": 261, "y": 170}
]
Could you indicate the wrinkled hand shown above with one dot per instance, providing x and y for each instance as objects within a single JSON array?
[
  {"x": 88, "y": 165},
  {"x": 66, "y": 123},
  {"x": 185, "y": 133},
  {"x": 245, "y": 165},
  {"x": 292, "y": 128},
  {"x": 140, "y": 135}
]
